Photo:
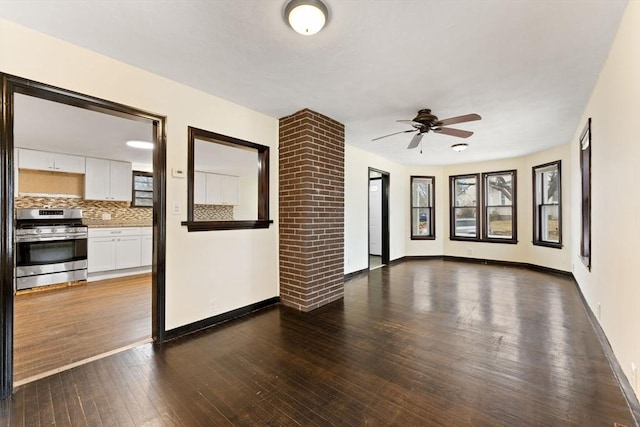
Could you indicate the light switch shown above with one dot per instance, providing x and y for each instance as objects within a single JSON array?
[{"x": 176, "y": 208}]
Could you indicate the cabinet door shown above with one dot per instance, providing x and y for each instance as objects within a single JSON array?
[
  {"x": 68, "y": 163},
  {"x": 96, "y": 179},
  {"x": 120, "y": 180},
  {"x": 127, "y": 251},
  {"x": 32, "y": 159},
  {"x": 230, "y": 190},
  {"x": 101, "y": 254},
  {"x": 146, "y": 250},
  {"x": 200, "y": 188},
  {"x": 214, "y": 189}
]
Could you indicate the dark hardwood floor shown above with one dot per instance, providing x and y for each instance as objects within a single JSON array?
[
  {"x": 58, "y": 327},
  {"x": 419, "y": 343}
]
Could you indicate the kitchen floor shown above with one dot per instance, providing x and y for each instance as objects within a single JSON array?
[{"x": 58, "y": 327}]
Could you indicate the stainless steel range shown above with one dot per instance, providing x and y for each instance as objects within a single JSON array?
[{"x": 51, "y": 247}]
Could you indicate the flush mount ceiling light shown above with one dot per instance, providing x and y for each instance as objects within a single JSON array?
[
  {"x": 306, "y": 17},
  {"x": 460, "y": 147},
  {"x": 145, "y": 145}
]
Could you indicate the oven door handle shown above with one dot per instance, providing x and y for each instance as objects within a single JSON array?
[{"x": 31, "y": 238}]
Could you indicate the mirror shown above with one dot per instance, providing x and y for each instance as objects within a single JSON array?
[{"x": 228, "y": 185}]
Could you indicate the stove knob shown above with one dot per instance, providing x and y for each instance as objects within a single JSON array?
[{"x": 38, "y": 230}]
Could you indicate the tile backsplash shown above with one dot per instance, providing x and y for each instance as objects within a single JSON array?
[
  {"x": 91, "y": 209},
  {"x": 212, "y": 212}
]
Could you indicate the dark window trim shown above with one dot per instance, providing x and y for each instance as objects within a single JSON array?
[
  {"x": 432, "y": 208},
  {"x": 537, "y": 223},
  {"x": 452, "y": 208},
  {"x": 585, "y": 173},
  {"x": 263, "y": 220},
  {"x": 514, "y": 202},
  {"x": 133, "y": 188}
]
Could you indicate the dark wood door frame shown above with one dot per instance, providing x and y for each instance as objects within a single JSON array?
[
  {"x": 10, "y": 86},
  {"x": 385, "y": 213}
]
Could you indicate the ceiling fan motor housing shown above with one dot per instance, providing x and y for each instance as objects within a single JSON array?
[{"x": 426, "y": 118}]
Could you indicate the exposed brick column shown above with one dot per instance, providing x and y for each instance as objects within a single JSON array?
[{"x": 311, "y": 210}]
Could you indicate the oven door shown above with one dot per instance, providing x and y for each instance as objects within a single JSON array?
[{"x": 46, "y": 261}]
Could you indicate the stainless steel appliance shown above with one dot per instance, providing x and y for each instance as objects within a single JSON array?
[{"x": 51, "y": 247}]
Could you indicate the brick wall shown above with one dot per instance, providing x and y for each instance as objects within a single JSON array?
[{"x": 311, "y": 210}]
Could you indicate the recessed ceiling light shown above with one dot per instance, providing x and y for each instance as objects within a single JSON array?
[
  {"x": 306, "y": 17},
  {"x": 460, "y": 147},
  {"x": 145, "y": 145}
]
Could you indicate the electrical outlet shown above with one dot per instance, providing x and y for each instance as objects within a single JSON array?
[
  {"x": 176, "y": 208},
  {"x": 106, "y": 216},
  {"x": 469, "y": 251},
  {"x": 212, "y": 305}
]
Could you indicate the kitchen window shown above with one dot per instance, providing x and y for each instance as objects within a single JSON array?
[
  {"x": 547, "y": 208},
  {"x": 422, "y": 208},
  {"x": 142, "y": 189}
]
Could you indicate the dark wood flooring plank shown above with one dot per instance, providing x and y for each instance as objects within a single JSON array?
[{"x": 436, "y": 343}]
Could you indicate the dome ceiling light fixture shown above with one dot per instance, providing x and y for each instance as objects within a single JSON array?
[
  {"x": 306, "y": 17},
  {"x": 460, "y": 147}
]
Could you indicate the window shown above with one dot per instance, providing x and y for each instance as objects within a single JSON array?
[
  {"x": 494, "y": 215},
  {"x": 499, "y": 206},
  {"x": 142, "y": 189},
  {"x": 547, "y": 209},
  {"x": 422, "y": 208},
  {"x": 228, "y": 183},
  {"x": 464, "y": 207},
  {"x": 585, "y": 172}
]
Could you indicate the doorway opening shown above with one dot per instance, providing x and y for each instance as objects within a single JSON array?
[
  {"x": 378, "y": 218},
  {"x": 40, "y": 122}
]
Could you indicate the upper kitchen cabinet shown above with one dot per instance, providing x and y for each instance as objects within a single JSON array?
[
  {"x": 107, "y": 180},
  {"x": 54, "y": 162}
]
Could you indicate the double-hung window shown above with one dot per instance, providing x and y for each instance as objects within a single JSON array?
[
  {"x": 464, "y": 223},
  {"x": 422, "y": 208},
  {"x": 547, "y": 209},
  {"x": 490, "y": 218},
  {"x": 499, "y": 206}
]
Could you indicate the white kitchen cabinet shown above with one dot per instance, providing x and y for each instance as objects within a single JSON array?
[
  {"x": 107, "y": 180},
  {"x": 55, "y": 162},
  {"x": 146, "y": 246},
  {"x": 215, "y": 189},
  {"x": 200, "y": 188},
  {"x": 113, "y": 248}
]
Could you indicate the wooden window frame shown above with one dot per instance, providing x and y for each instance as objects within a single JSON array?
[
  {"x": 133, "y": 188},
  {"x": 432, "y": 209},
  {"x": 537, "y": 205},
  {"x": 453, "y": 208},
  {"x": 585, "y": 174},
  {"x": 485, "y": 207}
]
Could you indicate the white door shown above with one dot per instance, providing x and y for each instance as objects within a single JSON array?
[{"x": 375, "y": 217}]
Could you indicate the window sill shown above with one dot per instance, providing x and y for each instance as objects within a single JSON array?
[
  {"x": 548, "y": 244},
  {"x": 423, "y": 237},
  {"x": 226, "y": 225}
]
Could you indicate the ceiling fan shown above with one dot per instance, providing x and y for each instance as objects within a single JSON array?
[{"x": 426, "y": 122}]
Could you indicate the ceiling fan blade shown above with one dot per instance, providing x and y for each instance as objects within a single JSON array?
[
  {"x": 395, "y": 133},
  {"x": 459, "y": 119},
  {"x": 415, "y": 141},
  {"x": 454, "y": 132}
]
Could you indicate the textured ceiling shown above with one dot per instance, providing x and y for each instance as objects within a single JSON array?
[{"x": 527, "y": 67}]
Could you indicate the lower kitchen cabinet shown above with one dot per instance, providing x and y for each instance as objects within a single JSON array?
[{"x": 118, "y": 248}]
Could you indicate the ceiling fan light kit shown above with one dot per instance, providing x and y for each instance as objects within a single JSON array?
[
  {"x": 426, "y": 122},
  {"x": 460, "y": 147},
  {"x": 306, "y": 17}
]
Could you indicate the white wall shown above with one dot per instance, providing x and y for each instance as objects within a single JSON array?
[
  {"x": 614, "y": 279},
  {"x": 356, "y": 190},
  {"x": 203, "y": 268}
]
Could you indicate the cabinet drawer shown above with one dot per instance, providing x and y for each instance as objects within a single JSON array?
[{"x": 114, "y": 232}]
